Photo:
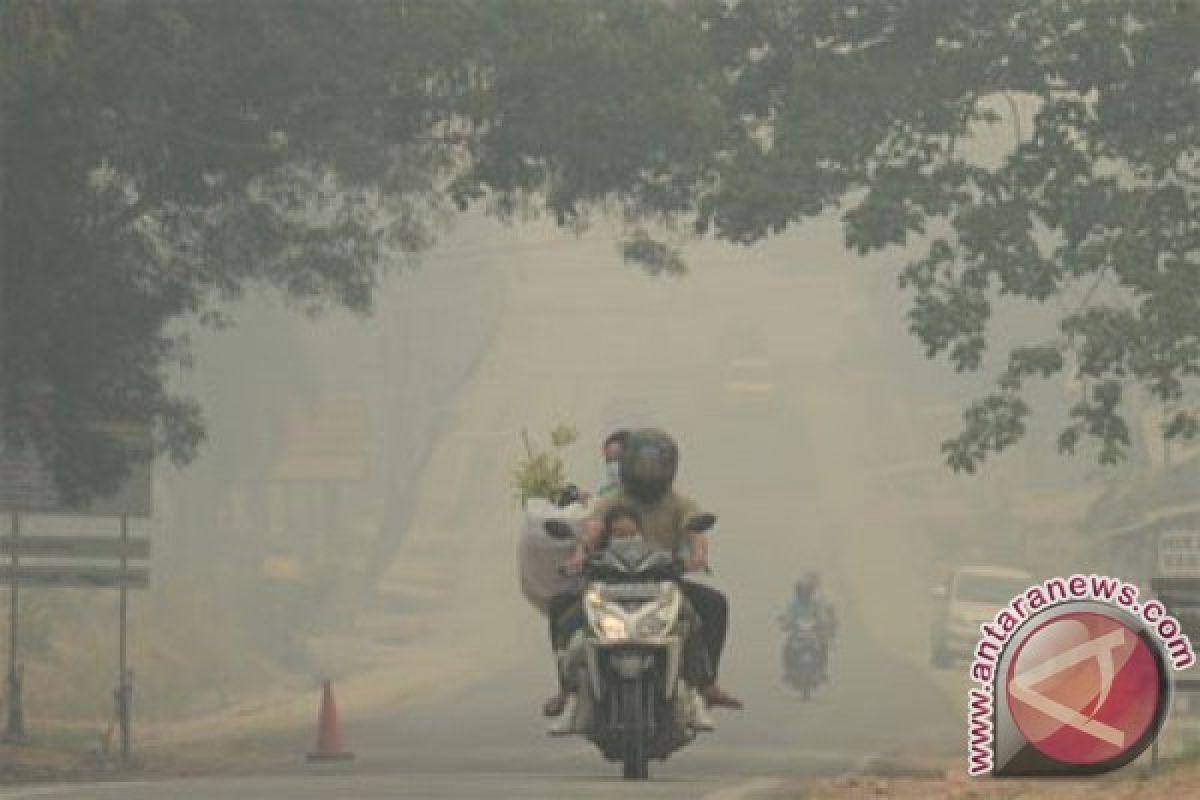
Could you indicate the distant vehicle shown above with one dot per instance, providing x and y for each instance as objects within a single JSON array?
[
  {"x": 970, "y": 597},
  {"x": 804, "y": 655}
]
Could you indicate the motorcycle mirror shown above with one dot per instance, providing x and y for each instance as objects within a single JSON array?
[
  {"x": 701, "y": 523},
  {"x": 557, "y": 529}
]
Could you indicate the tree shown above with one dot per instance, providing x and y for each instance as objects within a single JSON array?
[
  {"x": 158, "y": 158},
  {"x": 1093, "y": 212}
]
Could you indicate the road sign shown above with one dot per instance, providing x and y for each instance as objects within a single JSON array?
[
  {"x": 76, "y": 576},
  {"x": 1179, "y": 554},
  {"x": 326, "y": 441},
  {"x": 282, "y": 568},
  {"x": 78, "y": 562},
  {"x": 99, "y": 547},
  {"x": 27, "y": 485}
]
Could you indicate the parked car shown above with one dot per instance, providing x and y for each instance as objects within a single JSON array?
[{"x": 970, "y": 597}]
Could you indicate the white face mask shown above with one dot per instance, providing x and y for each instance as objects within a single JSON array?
[{"x": 613, "y": 468}]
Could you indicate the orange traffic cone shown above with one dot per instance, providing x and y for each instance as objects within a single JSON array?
[{"x": 329, "y": 730}]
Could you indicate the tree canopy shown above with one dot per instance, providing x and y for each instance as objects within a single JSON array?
[
  {"x": 158, "y": 158},
  {"x": 1094, "y": 210}
]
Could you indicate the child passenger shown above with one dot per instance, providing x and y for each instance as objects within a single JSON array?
[{"x": 621, "y": 524}]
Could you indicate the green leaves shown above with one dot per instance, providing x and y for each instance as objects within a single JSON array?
[
  {"x": 1091, "y": 208},
  {"x": 991, "y": 424},
  {"x": 310, "y": 147},
  {"x": 159, "y": 159},
  {"x": 654, "y": 257},
  {"x": 1096, "y": 417}
]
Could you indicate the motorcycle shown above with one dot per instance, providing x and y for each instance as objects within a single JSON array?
[
  {"x": 632, "y": 701},
  {"x": 804, "y": 655}
]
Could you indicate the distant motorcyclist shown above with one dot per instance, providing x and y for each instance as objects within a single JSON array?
[
  {"x": 648, "y": 465},
  {"x": 807, "y": 604}
]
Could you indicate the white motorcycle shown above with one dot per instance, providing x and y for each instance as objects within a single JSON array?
[{"x": 627, "y": 669}]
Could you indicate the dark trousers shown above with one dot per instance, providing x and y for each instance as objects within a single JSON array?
[
  {"x": 713, "y": 610},
  {"x": 560, "y": 627}
]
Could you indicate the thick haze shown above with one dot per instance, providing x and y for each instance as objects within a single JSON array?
[
  {"x": 807, "y": 417},
  {"x": 352, "y": 264}
]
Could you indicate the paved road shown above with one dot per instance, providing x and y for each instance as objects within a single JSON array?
[{"x": 772, "y": 443}]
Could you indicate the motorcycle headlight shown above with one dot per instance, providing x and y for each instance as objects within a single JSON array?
[
  {"x": 655, "y": 625},
  {"x": 605, "y": 619},
  {"x": 660, "y": 620},
  {"x": 612, "y": 628}
]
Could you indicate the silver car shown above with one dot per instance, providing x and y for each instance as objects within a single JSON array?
[{"x": 970, "y": 597}]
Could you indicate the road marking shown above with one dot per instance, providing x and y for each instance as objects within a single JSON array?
[
  {"x": 744, "y": 790},
  {"x": 750, "y": 387},
  {"x": 69, "y": 788},
  {"x": 750, "y": 363}
]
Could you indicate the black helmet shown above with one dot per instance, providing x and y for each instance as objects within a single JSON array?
[
  {"x": 648, "y": 464},
  {"x": 807, "y": 584}
]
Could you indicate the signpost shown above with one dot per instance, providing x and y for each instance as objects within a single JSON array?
[
  {"x": 1177, "y": 584},
  {"x": 1163, "y": 549},
  {"x": 86, "y": 562},
  {"x": 15, "y": 728}
]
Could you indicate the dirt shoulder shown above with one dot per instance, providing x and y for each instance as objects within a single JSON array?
[
  {"x": 418, "y": 642},
  {"x": 1178, "y": 780}
]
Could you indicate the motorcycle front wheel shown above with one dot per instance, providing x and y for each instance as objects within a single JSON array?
[{"x": 633, "y": 720}]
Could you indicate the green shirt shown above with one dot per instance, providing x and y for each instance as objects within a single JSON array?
[{"x": 662, "y": 521}]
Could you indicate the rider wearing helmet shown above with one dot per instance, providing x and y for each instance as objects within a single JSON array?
[
  {"x": 649, "y": 461},
  {"x": 808, "y": 604}
]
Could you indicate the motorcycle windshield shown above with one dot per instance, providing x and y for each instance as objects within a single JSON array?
[{"x": 633, "y": 560}]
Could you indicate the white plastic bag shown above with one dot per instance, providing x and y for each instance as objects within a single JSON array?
[{"x": 539, "y": 555}]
